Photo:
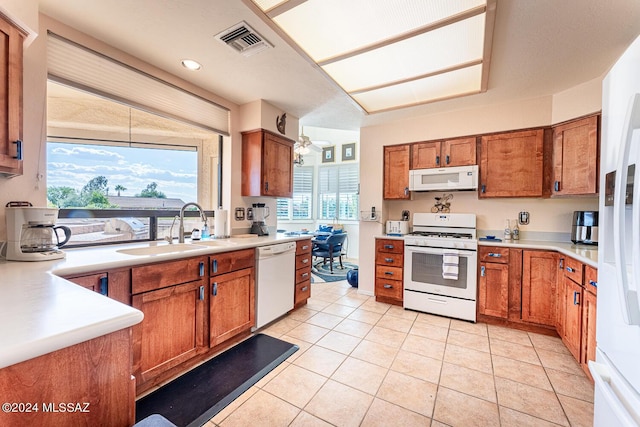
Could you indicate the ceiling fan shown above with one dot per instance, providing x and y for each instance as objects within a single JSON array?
[{"x": 304, "y": 145}]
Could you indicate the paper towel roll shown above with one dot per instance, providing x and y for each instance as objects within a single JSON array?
[{"x": 220, "y": 223}]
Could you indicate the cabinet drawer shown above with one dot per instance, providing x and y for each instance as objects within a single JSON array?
[
  {"x": 232, "y": 261},
  {"x": 303, "y": 261},
  {"x": 303, "y": 291},
  {"x": 591, "y": 279},
  {"x": 494, "y": 254},
  {"x": 394, "y": 260},
  {"x": 303, "y": 247},
  {"x": 389, "y": 246},
  {"x": 389, "y": 288},
  {"x": 389, "y": 273},
  {"x": 573, "y": 270},
  {"x": 303, "y": 274},
  {"x": 157, "y": 276}
]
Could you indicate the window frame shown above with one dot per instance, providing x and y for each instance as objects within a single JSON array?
[{"x": 338, "y": 194}]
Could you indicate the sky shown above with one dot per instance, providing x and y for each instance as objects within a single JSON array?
[{"x": 73, "y": 165}]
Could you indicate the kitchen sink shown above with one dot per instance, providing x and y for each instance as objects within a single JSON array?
[{"x": 159, "y": 250}]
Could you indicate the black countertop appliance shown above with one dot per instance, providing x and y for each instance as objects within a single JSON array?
[{"x": 585, "y": 227}]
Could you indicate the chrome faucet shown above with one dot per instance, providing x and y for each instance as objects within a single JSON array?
[{"x": 202, "y": 215}]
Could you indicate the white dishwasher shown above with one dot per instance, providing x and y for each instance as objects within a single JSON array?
[{"x": 275, "y": 281}]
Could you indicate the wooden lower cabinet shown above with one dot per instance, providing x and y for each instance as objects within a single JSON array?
[
  {"x": 493, "y": 290},
  {"x": 539, "y": 283},
  {"x": 231, "y": 305},
  {"x": 303, "y": 273},
  {"x": 94, "y": 374},
  {"x": 589, "y": 309},
  {"x": 116, "y": 284},
  {"x": 389, "y": 271},
  {"x": 572, "y": 313},
  {"x": 173, "y": 328}
]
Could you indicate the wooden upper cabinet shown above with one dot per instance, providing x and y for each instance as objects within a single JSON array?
[
  {"x": 575, "y": 157},
  {"x": 396, "y": 172},
  {"x": 539, "y": 287},
  {"x": 267, "y": 164},
  {"x": 511, "y": 164},
  {"x": 11, "y": 39},
  {"x": 437, "y": 154}
]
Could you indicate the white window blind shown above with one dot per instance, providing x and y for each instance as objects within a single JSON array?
[
  {"x": 300, "y": 205},
  {"x": 74, "y": 65},
  {"x": 338, "y": 191}
]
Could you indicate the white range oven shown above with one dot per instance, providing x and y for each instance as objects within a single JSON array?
[{"x": 440, "y": 265}]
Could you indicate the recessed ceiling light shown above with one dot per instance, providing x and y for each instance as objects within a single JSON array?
[{"x": 190, "y": 64}]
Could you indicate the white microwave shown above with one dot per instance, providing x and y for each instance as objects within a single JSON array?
[{"x": 444, "y": 179}]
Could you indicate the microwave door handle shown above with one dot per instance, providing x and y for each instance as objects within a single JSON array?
[{"x": 629, "y": 304}]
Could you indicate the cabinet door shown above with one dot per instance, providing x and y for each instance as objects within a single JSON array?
[
  {"x": 589, "y": 308},
  {"x": 575, "y": 157},
  {"x": 572, "y": 317},
  {"x": 493, "y": 290},
  {"x": 511, "y": 164},
  {"x": 459, "y": 152},
  {"x": 425, "y": 155},
  {"x": 396, "y": 172},
  {"x": 114, "y": 284},
  {"x": 97, "y": 282},
  {"x": 172, "y": 330},
  {"x": 539, "y": 280},
  {"x": 231, "y": 305},
  {"x": 11, "y": 40},
  {"x": 277, "y": 158}
]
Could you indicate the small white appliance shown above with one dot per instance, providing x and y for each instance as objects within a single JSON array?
[
  {"x": 440, "y": 262},
  {"x": 32, "y": 234},
  {"x": 444, "y": 179},
  {"x": 397, "y": 228},
  {"x": 616, "y": 370},
  {"x": 275, "y": 284}
]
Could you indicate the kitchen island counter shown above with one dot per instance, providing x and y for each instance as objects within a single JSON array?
[{"x": 40, "y": 312}]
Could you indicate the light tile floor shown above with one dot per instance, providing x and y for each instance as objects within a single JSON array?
[{"x": 363, "y": 363}]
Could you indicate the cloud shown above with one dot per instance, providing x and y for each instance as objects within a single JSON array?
[{"x": 86, "y": 152}]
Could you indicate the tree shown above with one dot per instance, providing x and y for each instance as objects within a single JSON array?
[
  {"x": 99, "y": 184},
  {"x": 60, "y": 196},
  {"x": 152, "y": 192},
  {"x": 120, "y": 188}
]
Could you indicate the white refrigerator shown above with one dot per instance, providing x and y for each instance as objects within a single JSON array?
[{"x": 616, "y": 371}]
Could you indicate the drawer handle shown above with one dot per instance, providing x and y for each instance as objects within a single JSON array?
[
  {"x": 214, "y": 291},
  {"x": 387, "y": 286},
  {"x": 214, "y": 265},
  {"x": 304, "y": 289},
  {"x": 389, "y": 273},
  {"x": 482, "y": 271},
  {"x": 593, "y": 283},
  {"x": 437, "y": 160},
  {"x": 104, "y": 285},
  {"x": 201, "y": 293},
  {"x": 570, "y": 270},
  {"x": 447, "y": 160},
  {"x": 18, "y": 155},
  {"x": 494, "y": 255},
  {"x": 388, "y": 246},
  {"x": 305, "y": 247},
  {"x": 388, "y": 260},
  {"x": 556, "y": 186},
  {"x": 201, "y": 268},
  {"x": 483, "y": 189},
  {"x": 305, "y": 261},
  {"x": 576, "y": 298},
  {"x": 305, "y": 274}
]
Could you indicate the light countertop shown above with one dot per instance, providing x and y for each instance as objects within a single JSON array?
[{"x": 41, "y": 312}]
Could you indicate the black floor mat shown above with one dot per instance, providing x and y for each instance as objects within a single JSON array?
[{"x": 195, "y": 397}]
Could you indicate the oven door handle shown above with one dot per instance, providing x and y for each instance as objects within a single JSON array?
[{"x": 439, "y": 301}]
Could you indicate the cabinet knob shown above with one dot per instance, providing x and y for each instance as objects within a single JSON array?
[{"x": 387, "y": 286}]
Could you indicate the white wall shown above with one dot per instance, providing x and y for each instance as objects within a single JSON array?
[{"x": 552, "y": 215}]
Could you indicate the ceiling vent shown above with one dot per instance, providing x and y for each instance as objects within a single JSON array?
[{"x": 243, "y": 39}]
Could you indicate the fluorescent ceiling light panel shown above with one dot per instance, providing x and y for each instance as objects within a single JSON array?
[
  {"x": 465, "y": 81},
  {"x": 428, "y": 53},
  {"x": 390, "y": 54}
]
